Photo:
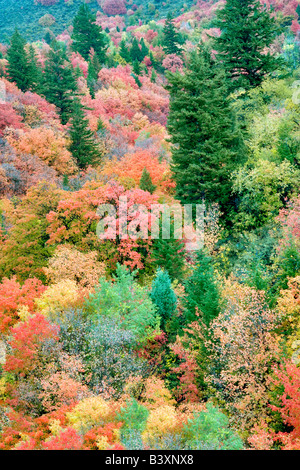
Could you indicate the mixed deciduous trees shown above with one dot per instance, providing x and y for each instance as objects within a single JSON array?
[{"x": 111, "y": 342}]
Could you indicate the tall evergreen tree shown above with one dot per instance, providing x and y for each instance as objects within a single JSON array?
[
  {"x": 35, "y": 71},
  {"x": 18, "y": 67},
  {"x": 94, "y": 68},
  {"x": 135, "y": 51},
  {"x": 59, "y": 84},
  {"x": 202, "y": 128},
  {"x": 146, "y": 182},
  {"x": 137, "y": 80},
  {"x": 136, "y": 67},
  {"x": 202, "y": 292},
  {"x": 124, "y": 51},
  {"x": 163, "y": 296},
  {"x": 247, "y": 29},
  {"x": 88, "y": 35},
  {"x": 169, "y": 253},
  {"x": 153, "y": 76},
  {"x": 144, "y": 49},
  {"x": 48, "y": 37},
  {"x": 171, "y": 37},
  {"x": 83, "y": 144}
]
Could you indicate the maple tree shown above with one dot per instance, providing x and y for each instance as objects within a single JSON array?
[
  {"x": 14, "y": 296},
  {"x": 9, "y": 118},
  {"x": 75, "y": 221},
  {"x": 287, "y": 377},
  {"x": 27, "y": 339},
  {"x": 245, "y": 343},
  {"x": 114, "y": 7},
  {"x": 27, "y": 236},
  {"x": 69, "y": 263},
  {"x": 120, "y": 343},
  {"x": 49, "y": 145}
]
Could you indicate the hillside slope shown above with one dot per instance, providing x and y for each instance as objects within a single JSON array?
[{"x": 25, "y": 14}]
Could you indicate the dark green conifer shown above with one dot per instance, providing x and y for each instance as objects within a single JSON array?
[
  {"x": 59, "y": 84},
  {"x": 202, "y": 128},
  {"x": 94, "y": 68},
  {"x": 124, "y": 51},
  {"x": 202, "y": 299},
  {"x": 146, "y": 182},
  {"x": 247, "y": 30},
  {"x": 35, "y": 71},
  {"x": 169, "y": 254},
  {"x": 135, "y": 51},
  {"x": 83, "y": 145},
  {"x": 136, "y": 67},
  {"x": 171, "y": 37},
  {"x": 48, "y": 37},
  {"x": 163, "y": 296},
  {"x": 88, "y": 35},
  {"x": 18, "y": 67},
  {"x": 153, "y": 76},
  {"x": 144, "y": 49}
]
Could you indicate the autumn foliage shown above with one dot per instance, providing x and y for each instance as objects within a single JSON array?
[
  {"x": 95, "y": 352},
  {"x": 14, "y": 297}
]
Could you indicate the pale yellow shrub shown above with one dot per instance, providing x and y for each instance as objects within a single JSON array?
[
  {"x": 93, "y": 411},
  {"x": 58, "y": 298}
]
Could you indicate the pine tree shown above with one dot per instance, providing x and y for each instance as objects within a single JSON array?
[
  {"x": 18, "y": 64},
  {"x": 168, "y": 254},
  {"x": 247, "y": 29},
  {"x": 83, "y": 145},
  {"x": 91, "y": 79},
  {"x": 124, "y": 51},
  {"x": 171, "y": 37},
  {"x": 144, "y": 49},
  {"x": 135, "y": 51},
  {"x": 34, "y": 71},
  {"x": 59, "y": 84},
  {"x": 157, "y": 65},
  {"x": 153, "y": 76},
  {"x": 146, "y": 182},
  {"x": 48, "y": 37},
  {"x": 163, "y": 296},
  {"x": 94, "y": 68},
  {"x": 202, "y": 292},
  {"x": 202, "y": 129},
  {"x": 100, "y": 125},
  {"x": 88, "y": 35},
  {"x": 136, "y": 67},
  {"x": 137, "y": 80},
  {"x": 153, "y": 61}
]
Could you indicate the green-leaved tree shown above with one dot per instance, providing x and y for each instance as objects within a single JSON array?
[
  {"x": 247, "y": 30},
  {"x": 206, "y": 146},
  {"x": 59, "y": 84},
  {"x": 18, "y": 67},
  {"x": 88, "y": 35},
  {"x": 83, "y": 145}
]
